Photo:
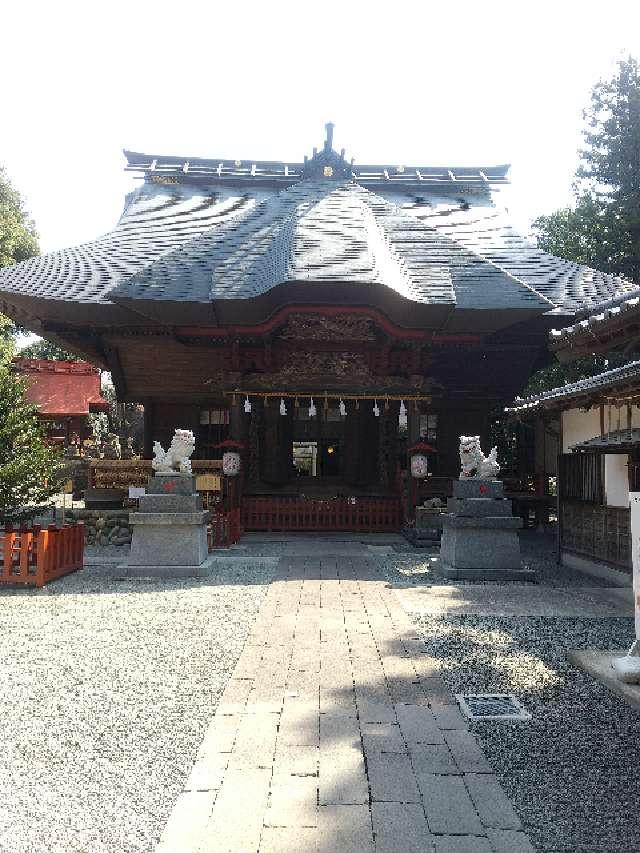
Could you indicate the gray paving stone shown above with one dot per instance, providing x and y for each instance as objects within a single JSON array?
[
  {"x": 290, "y": 839},
  {"x": 447, "y": 715},
  {"x": 466, "y": 752},
  {"x": 299, "y": 724},
  {"x": 509, "y": 841},
  {"x": 346, "y": 829},
  {"x": 296, "y": 760},
  {"x": 207, "y": 773},
  {"x": 382, "y": 737},
  {"x": 448, "y": 806},
  {"x": 342, "y": 777},
  {"x": 418, "y": 725},
  {"x": 391, "y": 778},
  {"x": 433, "y": 758},
  {"x": 376, "y": 712},
  {"x": 293, "y": 802},
  {"x": 187, "y": 822},
  {"x": 462, "y": 844},
  {"x": 400, "y": 827},
  {"x": 220, "y": 736},
  {"x": 235, "y": 824},
  {"x": 255, "y": 742},
  {"x": 491, "y": 802},
  {"x": 339, "y": 730}
]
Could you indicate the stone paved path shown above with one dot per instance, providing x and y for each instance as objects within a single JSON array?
[{"x": 336, "y": 735}]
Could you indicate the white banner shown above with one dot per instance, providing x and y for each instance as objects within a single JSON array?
[{"x": 634, "y": 500}]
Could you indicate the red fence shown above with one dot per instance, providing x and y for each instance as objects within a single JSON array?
[
  {"x": 358, "y": 515},
  {"x": 224, "y": 528},
  {"x": 35, "y": 556}
]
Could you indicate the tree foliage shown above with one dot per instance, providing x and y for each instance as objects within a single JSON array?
[
  {"x": 28, "y": 466},
  {"x": 47, "y": 350},
  {"x": 18, "y": 241},
  {"x": 18, "y": 238},
  {"x": 556, "y": 374},
  {"x": 602, "y": 229}
]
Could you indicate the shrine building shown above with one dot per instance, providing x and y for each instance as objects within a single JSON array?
[{"x": 325, "y": 314}]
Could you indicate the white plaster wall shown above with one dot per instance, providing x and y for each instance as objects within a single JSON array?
[
  {"x": 579, "y": 426},
  {"x": 616, "y": 479}
]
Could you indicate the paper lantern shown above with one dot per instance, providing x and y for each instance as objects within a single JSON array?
[{"x": 231, "y": 463}]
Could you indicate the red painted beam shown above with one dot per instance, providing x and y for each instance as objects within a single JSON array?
[{"x": 281, "y": 316}]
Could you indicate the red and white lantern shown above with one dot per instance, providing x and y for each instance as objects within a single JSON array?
[
  {"x": 231, "y": 457},
  {"x": 419, "y": 460}
]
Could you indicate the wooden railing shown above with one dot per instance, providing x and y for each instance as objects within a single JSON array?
[
  {"x": 359, "y": 515},
  {"x": 599, "y": 532},
  {"x": 35, "y": 556},
  {"x": 223, "y": 529}
]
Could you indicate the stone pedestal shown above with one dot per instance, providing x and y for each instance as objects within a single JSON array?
[
  {"x": 169, "y": 533},
  {"x": 480, "y": 535},
  {"x": 427, "y": 529}
]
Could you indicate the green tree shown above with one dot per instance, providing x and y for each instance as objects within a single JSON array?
[
  {"x": 18, "y": 238},
  {"x": 602, "y": 229},
  {"x": 557, "y": 374},
  {"x": 7, "y": 339},
  {"x": 28, "y": 466},
  {"x": 47, "y": 350},
  {"x": 18, "y": 241}
]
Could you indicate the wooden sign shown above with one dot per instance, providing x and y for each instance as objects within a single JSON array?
[{"x": 207, "y": 483}]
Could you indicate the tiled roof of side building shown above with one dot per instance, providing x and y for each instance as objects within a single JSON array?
[
  {"x": 599, "y": 314},
  {"x": 609, "y": 379}
]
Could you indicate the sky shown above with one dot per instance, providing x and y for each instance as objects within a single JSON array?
[{"x": 413, "y": 83}]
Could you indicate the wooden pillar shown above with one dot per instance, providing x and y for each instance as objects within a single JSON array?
[
  {"x": 277, "y": 447},
  {"x": 149, "y": 428},
  {"x": 413, "y": 423},
  {"x": 238, "y": 420}
]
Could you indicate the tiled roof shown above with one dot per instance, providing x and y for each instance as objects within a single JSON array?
[
  {"x": 255, "y": 171},
  {"x": 599, "y": 315},
  {"x": 197, "y": 233},
  {"x": 620, "y": 440},
  {"x": 322, "y": 230},
  {"x": 609, "y": 379}
]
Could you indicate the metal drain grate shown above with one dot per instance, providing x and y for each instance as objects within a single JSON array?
[{"x": 491, "y": 706}]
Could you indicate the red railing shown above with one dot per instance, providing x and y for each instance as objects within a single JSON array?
[
  {"x": 223, "y": 529},
  {"x": 358, "y": 515},
  {"x": 35, "y": 556}
]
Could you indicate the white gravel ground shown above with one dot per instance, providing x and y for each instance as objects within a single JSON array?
[
  {"x": 573, "y": 771},
  {"x": 107, "y": 688}
]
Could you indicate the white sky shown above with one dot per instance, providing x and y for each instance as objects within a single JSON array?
[{"x": 413, "y": 83}]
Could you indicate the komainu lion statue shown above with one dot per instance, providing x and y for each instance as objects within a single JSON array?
[
  {"x": 176, "y": 459},
  {"x": 475, "y": 465}
]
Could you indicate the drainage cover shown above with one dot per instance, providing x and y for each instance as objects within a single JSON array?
[{"x": 491, "y": 706}]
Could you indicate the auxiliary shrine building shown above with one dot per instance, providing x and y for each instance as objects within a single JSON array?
[{"x": 325, "y": 314}]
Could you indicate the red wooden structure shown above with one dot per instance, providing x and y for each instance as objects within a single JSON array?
[
  {"x": 35, "y": 556},
  {"x": 224, "y": 528},
  {"x": 360, "y": 515}
]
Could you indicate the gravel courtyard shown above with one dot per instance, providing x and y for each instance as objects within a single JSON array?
[
  {"x": 573, "y": 771},
  {"x": 107, "y": 688}
]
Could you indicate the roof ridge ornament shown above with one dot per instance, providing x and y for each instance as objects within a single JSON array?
[{"x": 327, "y": 163}]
